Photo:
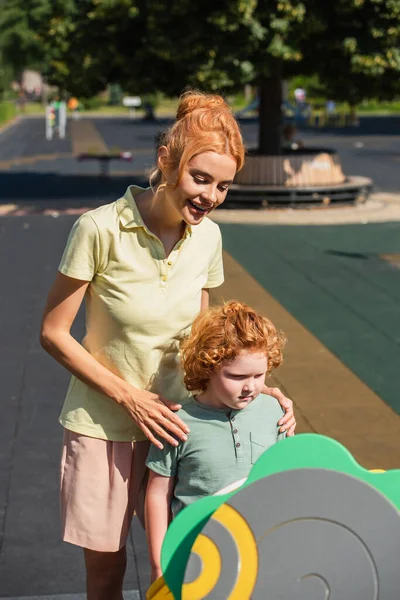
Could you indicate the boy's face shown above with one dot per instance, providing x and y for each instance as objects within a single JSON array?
[{"x": 237, "y": 383}]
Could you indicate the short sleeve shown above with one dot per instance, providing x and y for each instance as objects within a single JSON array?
[
  {"x": 165, "y": 461},
  {"x": 81, "y": 256},
  {"x": 216, "y": 268}
]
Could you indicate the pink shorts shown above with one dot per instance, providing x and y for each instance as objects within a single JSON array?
[{"x": 100, "y": 481}]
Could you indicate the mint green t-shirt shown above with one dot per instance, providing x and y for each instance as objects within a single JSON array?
[{"x": 221, "y": 448}]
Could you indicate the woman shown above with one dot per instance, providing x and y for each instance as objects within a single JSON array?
[{"x": 144, "y": 265}]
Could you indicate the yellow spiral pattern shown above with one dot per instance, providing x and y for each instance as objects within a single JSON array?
[
  {"x": 212, "y": 564},
  {"x": 246, "y": 543},
  {"x": 247, "y": 569}
]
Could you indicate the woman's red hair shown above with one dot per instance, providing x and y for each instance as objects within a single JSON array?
[
  {"x": 221, "y": 334},
  {"x": 204, "y": 123}
]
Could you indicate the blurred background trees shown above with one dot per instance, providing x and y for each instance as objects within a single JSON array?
[{"x": 350, "y": 47}]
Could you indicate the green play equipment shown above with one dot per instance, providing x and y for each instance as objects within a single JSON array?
[{"x": 308, "y": 523}]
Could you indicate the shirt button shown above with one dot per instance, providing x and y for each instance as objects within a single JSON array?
[
  {"x": 163, "y": 278},
  {"x": 169, "y": 263},
  {"x": 233, "y": 418},
  {"x": 235, "y": 431},
  {"x": 238, "y": 445}
]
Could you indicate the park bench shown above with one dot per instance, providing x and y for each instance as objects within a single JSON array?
[{"x": 104, "y": 159}]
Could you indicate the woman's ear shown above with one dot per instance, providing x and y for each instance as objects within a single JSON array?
[{"x": 162, "y": 159}]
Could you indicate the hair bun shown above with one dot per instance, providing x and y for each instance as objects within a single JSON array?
[{"x": 191, "y": 100}]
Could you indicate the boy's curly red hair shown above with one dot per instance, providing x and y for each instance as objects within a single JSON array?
[{"x": 220, "y": 334}]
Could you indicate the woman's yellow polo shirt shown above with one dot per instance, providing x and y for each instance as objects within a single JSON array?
[{"x": 138, "y": 305}]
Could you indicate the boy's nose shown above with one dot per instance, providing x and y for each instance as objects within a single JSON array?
[{"x": 248, "y": 387}]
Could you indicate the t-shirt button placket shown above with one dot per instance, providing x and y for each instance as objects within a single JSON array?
[{"x": 237, "y": 442}]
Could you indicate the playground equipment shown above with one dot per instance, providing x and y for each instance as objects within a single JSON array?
[
  {"x": 304, "y": 114},
  {"x": 308, "y": 523},
  {"x": 297, "y": 113},
  {"x": 320, "y": 117}
]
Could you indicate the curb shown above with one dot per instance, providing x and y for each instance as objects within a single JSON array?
[{"x": 379, "y": 208}]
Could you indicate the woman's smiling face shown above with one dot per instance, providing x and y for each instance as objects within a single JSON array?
[{"x": 203, "y": 186}]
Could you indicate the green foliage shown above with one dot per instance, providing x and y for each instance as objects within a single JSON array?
[
  {"x": 357, "y": 54},
  {"x": 93, "y": 103},
  {"x": 21, "y": 22},
  {"x": 311, "y": 83},
  {"x": 6, "y": 77},
  {"x": 153, "y": 99},
  {"x": 149, "y": 46},
  {"x": 7, "y": 111},
  {"x": 378, "y": 107},
  {"x": 115, "y": 94}
]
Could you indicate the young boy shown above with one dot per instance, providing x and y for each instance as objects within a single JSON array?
[{"x": 225, "y": 359}]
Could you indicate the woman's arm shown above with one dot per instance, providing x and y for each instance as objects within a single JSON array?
[
  {"x": 151, "y": 412},
  {"x": 205, "y": 300},
  {"x": 288, "y": 421},
  {"x": 157, "y": 517}
]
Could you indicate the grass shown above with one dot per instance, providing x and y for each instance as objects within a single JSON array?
[
  {"x": 167, "y": 108},
  {"x": 7, "y": 112}
]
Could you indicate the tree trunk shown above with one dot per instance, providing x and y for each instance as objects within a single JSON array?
[
  {"x": 353, "y": 115},
  {"x": 270, "y": 114}
]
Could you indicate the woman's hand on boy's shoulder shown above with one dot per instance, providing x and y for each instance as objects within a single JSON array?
[
  {"x": 156, "y": 417},
  {"x": 287, "y": 422}
]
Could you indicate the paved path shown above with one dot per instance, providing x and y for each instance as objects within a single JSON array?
[
  {"x": 333, "y": 366},
  {"x": 33, "y": 561},
  {"x": 334, "y": 288}
]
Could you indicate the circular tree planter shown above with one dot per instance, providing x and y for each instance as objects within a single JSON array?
[{"x": 306, "y": 175}]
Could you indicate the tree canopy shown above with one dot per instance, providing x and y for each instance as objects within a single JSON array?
[{"x": 154, "y": 45}]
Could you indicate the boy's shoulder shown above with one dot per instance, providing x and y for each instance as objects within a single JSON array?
[
  {"x": 266, "y": 404},
  {"x": 262, "y": 415},
  {"x": 190, "y": 409},
  {"x": 197, "y": 415}
]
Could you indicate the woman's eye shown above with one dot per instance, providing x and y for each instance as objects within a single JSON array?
[
  {"x": 199, "y": 180},
  {"x": 223, "y": 188}
]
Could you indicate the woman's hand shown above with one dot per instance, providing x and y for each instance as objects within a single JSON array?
[
  {"x": 288, "y": 421},
  {"x": 155, "y": 417},
  {"x": 151, "y": 412}
]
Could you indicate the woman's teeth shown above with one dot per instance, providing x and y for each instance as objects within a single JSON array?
[{"x": 198, "y": 206}]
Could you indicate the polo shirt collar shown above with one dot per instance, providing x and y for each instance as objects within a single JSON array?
[
  {"x": 221, "y": 411},
  {"x": 129, "y": 214}
]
